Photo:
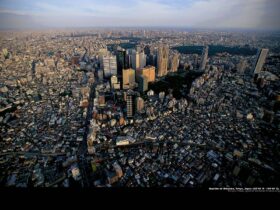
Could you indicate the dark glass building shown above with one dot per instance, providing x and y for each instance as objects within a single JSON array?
[{"x": 121, "y": 61}]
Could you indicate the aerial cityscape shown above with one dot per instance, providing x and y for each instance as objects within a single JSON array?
[{"x": 140, "y": 102}]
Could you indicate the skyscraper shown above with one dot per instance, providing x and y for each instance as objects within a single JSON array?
[
  {"x": 149, "y": 72},
  {"x": 109, "y": 65},
  {"x": 261, "y": 56},
  {"x": 114, "y": 82},
  {"x": 121, "y": 61},
  {"x": 174, "y": 63},
  {"x": 162, "y": 60},
  {"x": 147, "y": 50},
  {"x": 204, "y": 59},
  {"x": 139, "y": 104},
  {"x": 128, "y": 78},
  {"x": 135, "y": 60},
  {"x": 142, "y": 60},
  {"x": 130, "y": 107},
  {"x": 142, "y": 83},
  {"x": 152, "y": 60},
  {"x": 128, "y": 58}
]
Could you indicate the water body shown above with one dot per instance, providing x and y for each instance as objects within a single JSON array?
[{"x": 214, "y": 49}]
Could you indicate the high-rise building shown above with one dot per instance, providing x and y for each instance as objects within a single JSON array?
[
  {"x": 138, "y": 48},
  {"x": 162, "y": 60},
  {"x": 204, "y": 59},
  {"x": 109, "y": 65},
  {"x": 261, "y": 56},
  {"x": 149, "y": 72},
  {"x": 135, "y": 60},
  {"x": 152, "y": 60},
  {"x": 142, "y": 60},
  {"x": 139, "y": 104},
  {"x": 195, "y": 61},
  {"x": 128, "y": 77},
  {"x": 130, "y": 107},
  {"x": 128, "y": 60},
  {"x": 117, "y": 86},
  {"x": 174, "y": 63},
  {"x": 142, "y": 83},
  {"x": 147, "y": 50},
  {"x": 114, "y": 80},
  {"x": 121, "y": 61}
]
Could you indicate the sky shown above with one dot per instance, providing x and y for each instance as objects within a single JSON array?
[{"x": 210, "y": 14}]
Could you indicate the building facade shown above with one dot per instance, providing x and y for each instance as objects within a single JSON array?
[
  {"x": 149, "y": 72},
  {"x": 261, "y": 56},
  {"x": 204, "y": 59},
  {"x": 109, "y": 66},
  {"x": 128, "y": 78},
  {"x": 162, "y": 60},
  {"x": 130, "y": 104}
]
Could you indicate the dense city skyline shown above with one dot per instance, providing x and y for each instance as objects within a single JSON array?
[
  {"x": 215, "y": 14},
  {"x": 150, "y": 93}
]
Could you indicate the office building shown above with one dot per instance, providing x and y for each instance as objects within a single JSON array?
[
  {"x": 204, "y": 59},
  {"x": 135, "y": 60},
  {"x": 152, "y": 60},
  {"x": 162, "y": 60},
  {"x": 261, "y": 56},
  {"x": 128, "y": 77},
  {"x": 128, "y": 60},
  {"x": 121, "y": 61},
  {"x": 109, "y": 66},
  {"x": 149, "y": 72},
  {"x": 114, "y": 79},
  {"x": 115, "y": 84},
  {"x": 138, "y": 48},
  {"x": 129, "y": 53},
  {"x": 142, "y": 83},
  {"x": 142, "y": 60},
  {"x": 174, "y": 64},
  {"x": 130, "y": 104},
  {"x": 147, "y": 50},
  {"x": 139, "y": 104}
]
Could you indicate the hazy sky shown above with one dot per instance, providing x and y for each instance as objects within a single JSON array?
[{"x": 251, "y": 14}]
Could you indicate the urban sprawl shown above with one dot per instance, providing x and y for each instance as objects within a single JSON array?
[{"x": 139, "y": 108}]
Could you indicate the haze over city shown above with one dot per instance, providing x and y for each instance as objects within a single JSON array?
[{"x": 214, "y": 14}]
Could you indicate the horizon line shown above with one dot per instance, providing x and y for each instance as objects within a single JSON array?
[{"x": 218, "y": 29}]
